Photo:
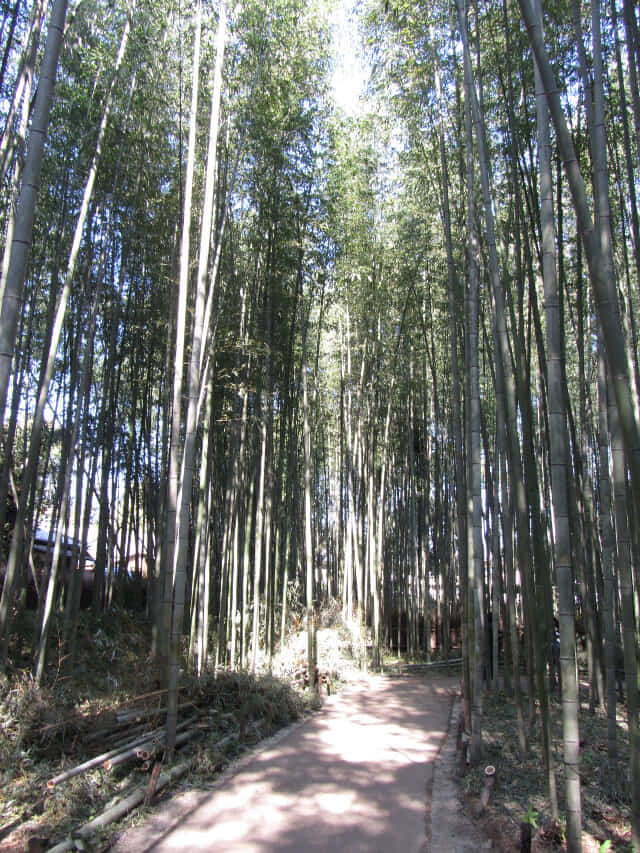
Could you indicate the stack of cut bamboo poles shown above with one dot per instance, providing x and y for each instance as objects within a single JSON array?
[{"x": 135, "y": 733}]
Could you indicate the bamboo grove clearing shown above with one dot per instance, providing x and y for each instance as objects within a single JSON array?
[{"x": 257, "y": 355}]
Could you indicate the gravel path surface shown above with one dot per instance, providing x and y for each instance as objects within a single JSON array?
[{"x": 359, "y": 776}]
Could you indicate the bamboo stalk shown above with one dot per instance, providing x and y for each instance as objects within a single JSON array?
[
  {"x": 132, "y": 752},
  {"x": 122, "y": 808},
  {"x": 147, "y": 748},
  {"x": 74, "y": 720},
  {"x": 115, "y": 733},
  {"x": 97, "y": 760},
  {"x": 489, "y": 782},
  {"x": 226, "y": 740},
  {"x": 144, "y": 696},
  {"x": 34, "y": 808},
  {"x": 9, "y": 827},
  {"x": 68, "y": 721},
  {"x": 106, "y": 758},
  {"x": 137, "y": 714}
]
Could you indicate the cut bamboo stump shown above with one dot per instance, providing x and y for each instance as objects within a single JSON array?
[
  {"x": 152, "y": 787},
  {"x": 489, "y": 782}
]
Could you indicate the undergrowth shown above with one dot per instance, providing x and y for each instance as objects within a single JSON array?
[
  {"x": 48, "y": 729},
  {"x": 520, "y": 793}
]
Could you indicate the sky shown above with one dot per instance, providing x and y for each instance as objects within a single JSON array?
[{"x": 350, "y": 75}]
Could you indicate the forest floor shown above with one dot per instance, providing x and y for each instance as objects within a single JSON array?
[
  {"x": 520, "y": 792},
  {"x": 46, "y": 730}
]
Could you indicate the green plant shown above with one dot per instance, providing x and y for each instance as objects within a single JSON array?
[
  {"x": 531, "y": 816},
  {"x": 605, "y": 846}
]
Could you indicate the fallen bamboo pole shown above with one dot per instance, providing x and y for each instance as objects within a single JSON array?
[
  {"x": 226, "y": 740},
  {"x": 132, "y": 752},
  {"x": 106, "y": 758},
  {"x": 144, "y": 696},
  {"x": 417, "y": 667},
  {"x": 97, "y": 760},
  {"x": 26, "y": 815},
  {"x": 138, "y": 714},
  {"x": 148, "y": 746},
  {"x": 115, "y": 732},
  {"x": 146, "y": 750},
  {"x": 122, "y": 808},
  {"x": 68, "y": 721},
  {"x": 76, "y": 719}
]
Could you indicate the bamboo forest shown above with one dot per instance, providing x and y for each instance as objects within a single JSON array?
[{"x": 265, "y": 357}]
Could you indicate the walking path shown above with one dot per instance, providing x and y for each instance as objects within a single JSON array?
[
  {"x": 452, "y": 830},
  {"x": 357, "y": 777}
]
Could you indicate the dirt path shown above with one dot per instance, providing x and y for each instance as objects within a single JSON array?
[{"x": 357, "y": 776}]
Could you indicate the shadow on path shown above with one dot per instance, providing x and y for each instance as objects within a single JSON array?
[{"x": 354, "y": 777}]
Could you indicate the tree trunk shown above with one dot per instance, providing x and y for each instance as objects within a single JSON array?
[
  {"x": 308, "y": 541},
  {"x": 193, "y": 393},
  {"x": 38, "y": 418},
  {"x": 605, "y": 297},
  {"x": 505, "y": 377},
  {"x": 25, "y": 212},
  {"x": 559, "y": 456},
  {"x": 166, "y": 581}
]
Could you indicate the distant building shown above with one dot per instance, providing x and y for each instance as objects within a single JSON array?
[{"x": 43, "y": 549}]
